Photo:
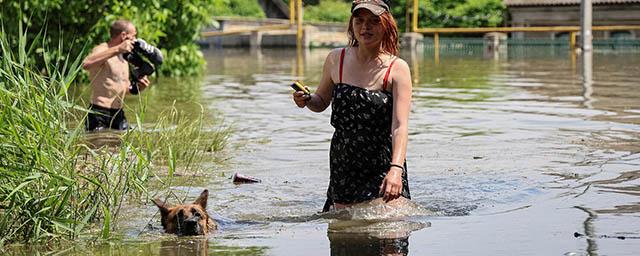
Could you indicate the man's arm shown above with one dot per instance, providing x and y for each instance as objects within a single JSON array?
[{"x": 100, "y": 54}]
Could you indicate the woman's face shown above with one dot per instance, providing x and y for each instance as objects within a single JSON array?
[{"x": 367, "y": 28}]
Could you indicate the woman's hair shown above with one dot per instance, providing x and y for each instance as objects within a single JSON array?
[{"x": 389, "y": 42}]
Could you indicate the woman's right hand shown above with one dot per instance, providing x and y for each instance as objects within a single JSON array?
[{"x": 301, "y": 99}]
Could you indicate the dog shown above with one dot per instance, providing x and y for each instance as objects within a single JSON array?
[{"x": 187, "y": 219}]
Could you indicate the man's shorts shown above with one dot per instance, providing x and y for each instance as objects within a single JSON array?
[{"x": 103, "y": 118}]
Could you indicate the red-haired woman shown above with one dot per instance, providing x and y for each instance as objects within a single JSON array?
[{"x": 370, "y": 88}]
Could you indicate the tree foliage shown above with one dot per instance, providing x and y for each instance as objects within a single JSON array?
[
  {"x": 172, "y": 25},
  {"x": 452, "y": 13},
  {"x": 241, "y": 8},
  {"x": 432, "y": 13},
  {"x": 328, "y": 10},
  {"x": 462, "y": 13}
]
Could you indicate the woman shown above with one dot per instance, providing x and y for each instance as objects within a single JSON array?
[{"x": 371, "y": 92}]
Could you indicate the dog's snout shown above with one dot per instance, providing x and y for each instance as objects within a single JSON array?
[
  {"x": 191, "y": 226},
  {"x": 191, "y": 221}
]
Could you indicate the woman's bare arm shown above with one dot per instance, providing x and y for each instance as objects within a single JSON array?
[
  {"x": 320, "y": 100},
  {"x": 391, "y": 186},
  {"x": 402, "y": 88}
]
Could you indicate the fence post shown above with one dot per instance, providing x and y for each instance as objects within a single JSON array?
[
  {"x": 292, "y": 12},
  {"x": 572, "y": 41},
  {"x": 414, "y": 22},
  {"x": 436, "y": 47},
  {"x": 407, "y": 17}
]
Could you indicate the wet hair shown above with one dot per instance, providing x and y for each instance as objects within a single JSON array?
[
  {"x": 119, "y": 26},
  {"x": 389, "y": 42}
]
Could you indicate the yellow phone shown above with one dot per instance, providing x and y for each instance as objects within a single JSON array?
[{"x": 298, "y": 86}]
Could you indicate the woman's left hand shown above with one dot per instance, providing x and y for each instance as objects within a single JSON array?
[{"x": 391, "y": 185}]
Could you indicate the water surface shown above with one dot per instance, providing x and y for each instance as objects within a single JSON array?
[{"x": 512, "y": 155}]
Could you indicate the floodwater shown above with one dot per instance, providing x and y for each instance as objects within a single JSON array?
[{"x": 509, "y": 154}]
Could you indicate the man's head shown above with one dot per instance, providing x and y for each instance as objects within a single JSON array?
[{"x": 122, "y": 30}]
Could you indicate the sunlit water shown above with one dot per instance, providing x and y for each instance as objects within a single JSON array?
[{"x": 507, "y": 156}]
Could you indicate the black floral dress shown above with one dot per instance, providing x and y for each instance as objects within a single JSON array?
[{"x": 361, "y": 146}]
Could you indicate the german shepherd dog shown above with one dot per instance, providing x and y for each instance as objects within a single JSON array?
[{"x": 187, "y": 219}]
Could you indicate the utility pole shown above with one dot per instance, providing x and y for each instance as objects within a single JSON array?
[
  {"x": 587, "y": 52},
  {"x": 585, "y": 26},
  {"x": 299, "y": 12}
]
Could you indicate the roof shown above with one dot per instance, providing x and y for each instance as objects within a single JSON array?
[{"x": 563, "y": 2}]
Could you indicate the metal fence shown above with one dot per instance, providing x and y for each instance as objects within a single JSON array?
[{"x": 463, "y": 44}]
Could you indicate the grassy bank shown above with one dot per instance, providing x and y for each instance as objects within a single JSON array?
[{"x": 54, "y": 184}]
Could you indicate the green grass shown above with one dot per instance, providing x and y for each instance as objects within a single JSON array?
[{"x": 54, "y": 185}]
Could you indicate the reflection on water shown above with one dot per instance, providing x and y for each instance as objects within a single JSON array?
[
  {"x": 106, "y": 138},
  {"x": 357, "y": 245},
  {"x": 371, "y": 237},
  {"x": 587, "y": 78},
  {"x": 176, "y": 247},
  {"x": 589, "y": 230},
  {"x": 349, "y": 243}
]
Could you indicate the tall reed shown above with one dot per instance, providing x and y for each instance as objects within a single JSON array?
[
  {"x": 38, "y": 181},
  {"x": 53, "y": 183}
]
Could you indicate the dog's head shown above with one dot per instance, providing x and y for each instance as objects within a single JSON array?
[{"x": 188, "y": 219}]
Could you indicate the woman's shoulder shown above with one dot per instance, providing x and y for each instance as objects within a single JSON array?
[
  {"x": 334, "y": 55},
  {"x": 336, "y": 51},
  {"x": 399, "y": 62}
]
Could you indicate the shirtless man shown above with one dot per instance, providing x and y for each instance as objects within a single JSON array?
[{"x": 109, "y": 75}]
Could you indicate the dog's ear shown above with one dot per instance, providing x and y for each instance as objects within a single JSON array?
[
  {"x": 164, "y": 211},
  {"x": 202, "y": 199},
  {"x": 161, "y": 205}
]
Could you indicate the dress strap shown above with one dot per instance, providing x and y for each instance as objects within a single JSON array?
[
  {"x": 341, "y": 61},
  {"x": 386, "y": 76}
]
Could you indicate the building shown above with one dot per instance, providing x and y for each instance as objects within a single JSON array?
[{"x": 532, "y": 13}]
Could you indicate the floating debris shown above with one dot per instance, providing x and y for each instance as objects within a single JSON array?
[{"x": 240, "y": 178}]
